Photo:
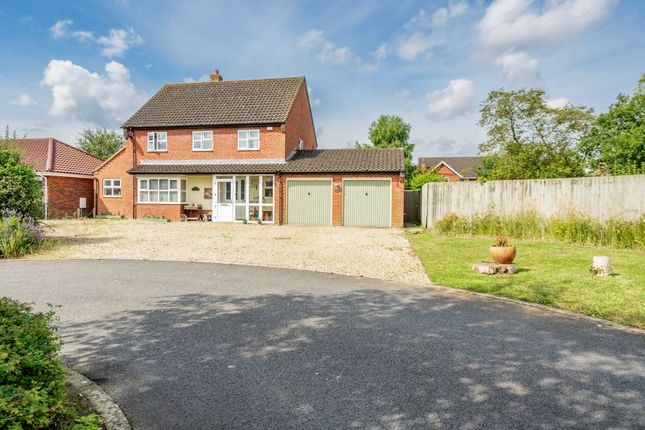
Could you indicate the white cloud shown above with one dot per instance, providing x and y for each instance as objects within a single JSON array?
[
  {"x": 313, "y": 101},
  {"x": 119, "y": 41},
  {"x": 519, "y": 66},
  {"x": 327, "y": 52},
  {"x": 449, "y": 102},
  {"x": 382, "y": 52},
  {"x": 516, "y": 22},
  {"x": 101, "y": 99},
  {"x": 59, "y": 29},
  {"x": 558, "y": 103},
  {"x": 202, "y": 78},
  {"x": 24, "y": 100},
  {"x": 421, "y": 32},
  {"x": 114, "y": 44}
]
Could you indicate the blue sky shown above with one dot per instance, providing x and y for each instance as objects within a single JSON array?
[{"x": 74, "y": 64}]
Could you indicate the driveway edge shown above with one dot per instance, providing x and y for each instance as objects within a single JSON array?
[
  {"x": 111, "y": 414},
  {"x": 550, "y": 309}
]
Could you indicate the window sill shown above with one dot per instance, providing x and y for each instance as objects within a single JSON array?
[
  {"x": 248, "y": 149},
  {"x": 202, "y": 150},
  {"x": 154, "y": 150},
  {"x": 160, "y": 203},
  {"x": 112, "y": 197}
]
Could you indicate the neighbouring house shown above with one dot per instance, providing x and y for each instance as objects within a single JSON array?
[
  {"x": 245, "y": 150},
  {"x": 65, "y": 172},
  {"x": 452, "y": 168}
]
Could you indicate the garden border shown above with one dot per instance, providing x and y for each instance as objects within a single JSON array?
[{"x": 111, "y": 414}]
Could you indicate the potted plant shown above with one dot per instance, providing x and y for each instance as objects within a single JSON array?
[{"x": 502, "y": 252}]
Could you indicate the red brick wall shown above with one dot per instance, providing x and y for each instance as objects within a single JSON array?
[
  {"x": 300, "y": 124},
  {"x": 337, "y": 197},
  {"x": 168, "y": 211},
  {"x": 116, "y": 168},
  {"x": 64, "y": 193},
  {"x": 447, "y": 173},
  {"x": 180, "y": 144}
]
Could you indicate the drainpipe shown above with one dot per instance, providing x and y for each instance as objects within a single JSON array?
[
  {"x": 279, "y": 199},
  {"x": 45, "y": 196},
  {"x": 134, "y": 164}
]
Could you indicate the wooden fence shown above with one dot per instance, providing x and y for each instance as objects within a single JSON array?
[{"x": 599, "y": 198}]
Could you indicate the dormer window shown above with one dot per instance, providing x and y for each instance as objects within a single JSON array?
[
  {"x": 157, "y": 141},
  {"x": 248, "y": 140}
]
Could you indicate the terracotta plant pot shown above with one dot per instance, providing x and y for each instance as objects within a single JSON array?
[{"x": 503, "y": 254}]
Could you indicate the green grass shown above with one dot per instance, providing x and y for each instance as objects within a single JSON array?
[{"x": 553, "y": 274}]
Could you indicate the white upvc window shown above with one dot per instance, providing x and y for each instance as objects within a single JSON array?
[
  {"x": 111, "y": 187},
  {"x": 202, "y": 140},
  {"x": 162, "y": 190},
  {"x": 248, "y": 140},
  {"x": 157, "y": 141}
]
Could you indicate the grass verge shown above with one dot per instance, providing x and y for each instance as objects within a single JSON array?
[{"x": 553, "y": 274}]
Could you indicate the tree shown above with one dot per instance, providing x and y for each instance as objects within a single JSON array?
[
  {"x": 616, "y": 142},
  {"x": 421, "y": 178},
  {"x": 527, "y": 139},
  {"x": 390, "y": 131},
  {"x": 19, "y": 186},
  {"x": 101, "y": 143}
]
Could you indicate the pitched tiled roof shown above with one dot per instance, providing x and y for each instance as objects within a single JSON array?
[
  {"x": 51, "y": 155},
  {"x": 465, "y": 166},
  {"x": 307, "y": 161},
  {"x": 258, "y": 101}
]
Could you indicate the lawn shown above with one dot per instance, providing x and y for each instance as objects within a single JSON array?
[{"x": 554, "y": 274}]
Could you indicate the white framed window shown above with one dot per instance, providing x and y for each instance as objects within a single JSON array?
[
  {"x": 111, "y": 187},
  {"x": 248, "y": 140},
  {"x": 162, "y": 190},
  {"x": 157, "y": 141},
  {"x": 202, "y": 140}
]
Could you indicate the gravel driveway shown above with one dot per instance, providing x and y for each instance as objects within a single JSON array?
[
  {"x": 200, "y": 346},
  {"x": 373, "y": 253}
]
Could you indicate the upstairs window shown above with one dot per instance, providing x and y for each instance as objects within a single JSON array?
[
  {"x": 157, "y": 141},
  {"x": 202, "y": 140},
  {"x": 248, "y": 139}
]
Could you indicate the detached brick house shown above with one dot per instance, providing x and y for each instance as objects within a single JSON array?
[
  {"x": 452, "y": 168},
  {"x": 65, "y": 172},
  {"x": 245, "y": 150}
]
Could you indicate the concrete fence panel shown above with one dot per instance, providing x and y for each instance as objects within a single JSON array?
[{"x": 599, "y": 198}]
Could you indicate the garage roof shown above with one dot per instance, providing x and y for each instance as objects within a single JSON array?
[
  {"x": 363, "y": 160},
  {"x": 49, "y": 155}
]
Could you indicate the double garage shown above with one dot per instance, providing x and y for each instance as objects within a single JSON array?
[{"x": 352, "y": 201}]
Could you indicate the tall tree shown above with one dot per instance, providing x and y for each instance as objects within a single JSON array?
[
  {"x": 616, "y": 142},
  {"x": 526, "y": 138},
  {"x": 390, "y": 131},
  {"x": 101, "y": 143}
]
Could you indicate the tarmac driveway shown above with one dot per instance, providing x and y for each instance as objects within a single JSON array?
[{"x": 196, "y": 346}]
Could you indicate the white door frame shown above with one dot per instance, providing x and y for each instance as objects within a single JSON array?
[{"x": 216, "y": 182}]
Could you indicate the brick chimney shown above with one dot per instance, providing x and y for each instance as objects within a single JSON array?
[{"x": 216, "y": 77}]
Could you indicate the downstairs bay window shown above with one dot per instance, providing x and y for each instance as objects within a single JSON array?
[{"x": 162, "y": 190}]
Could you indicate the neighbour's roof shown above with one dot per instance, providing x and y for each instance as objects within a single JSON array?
[
  {"x": 53, "y": 156},
  {"x": 256, "y": 101},
  {"x": 465, "y": 166},
  {"x": 364, "y": 160}
]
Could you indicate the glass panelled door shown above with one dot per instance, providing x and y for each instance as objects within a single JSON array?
[{"x": 223, "y": 199}]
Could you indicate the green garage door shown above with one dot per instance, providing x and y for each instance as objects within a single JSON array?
[
  {"x": 309, "y": 201},
  {"x": 366, "y": 203}
]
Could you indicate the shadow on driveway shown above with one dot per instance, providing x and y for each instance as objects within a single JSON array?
[{"x": 367, "y": 358}]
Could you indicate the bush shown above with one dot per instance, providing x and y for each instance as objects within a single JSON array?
[
  {"x": 421, "y": 178},
  {"x": 19, "y": 187},
  {"x": 19, "y": 234},
  {"x": 572, "y": 228},
  {"x": 32, "y": 383}
]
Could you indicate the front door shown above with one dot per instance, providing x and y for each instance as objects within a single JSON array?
[{"x": 223, "y": 200}]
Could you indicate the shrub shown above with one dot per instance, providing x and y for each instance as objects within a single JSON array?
[
  {"x": 19, "y": 234},
  {"x": 32, "y": 383},
  {"x": 422, "y": 178},
  {"x": 19, "y": 186},
  {"x": 572, "y": 228}
]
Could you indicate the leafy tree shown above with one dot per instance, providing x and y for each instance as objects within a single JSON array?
[
  {"x": 390, "y": 131},
  {"x": 421, "y": 178},
  {"x": 616, "y": 142},
  {"x": 19, "y": 186},
  {"x": 101, "y": 143},
  {"x": 527, "y": 139}
]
